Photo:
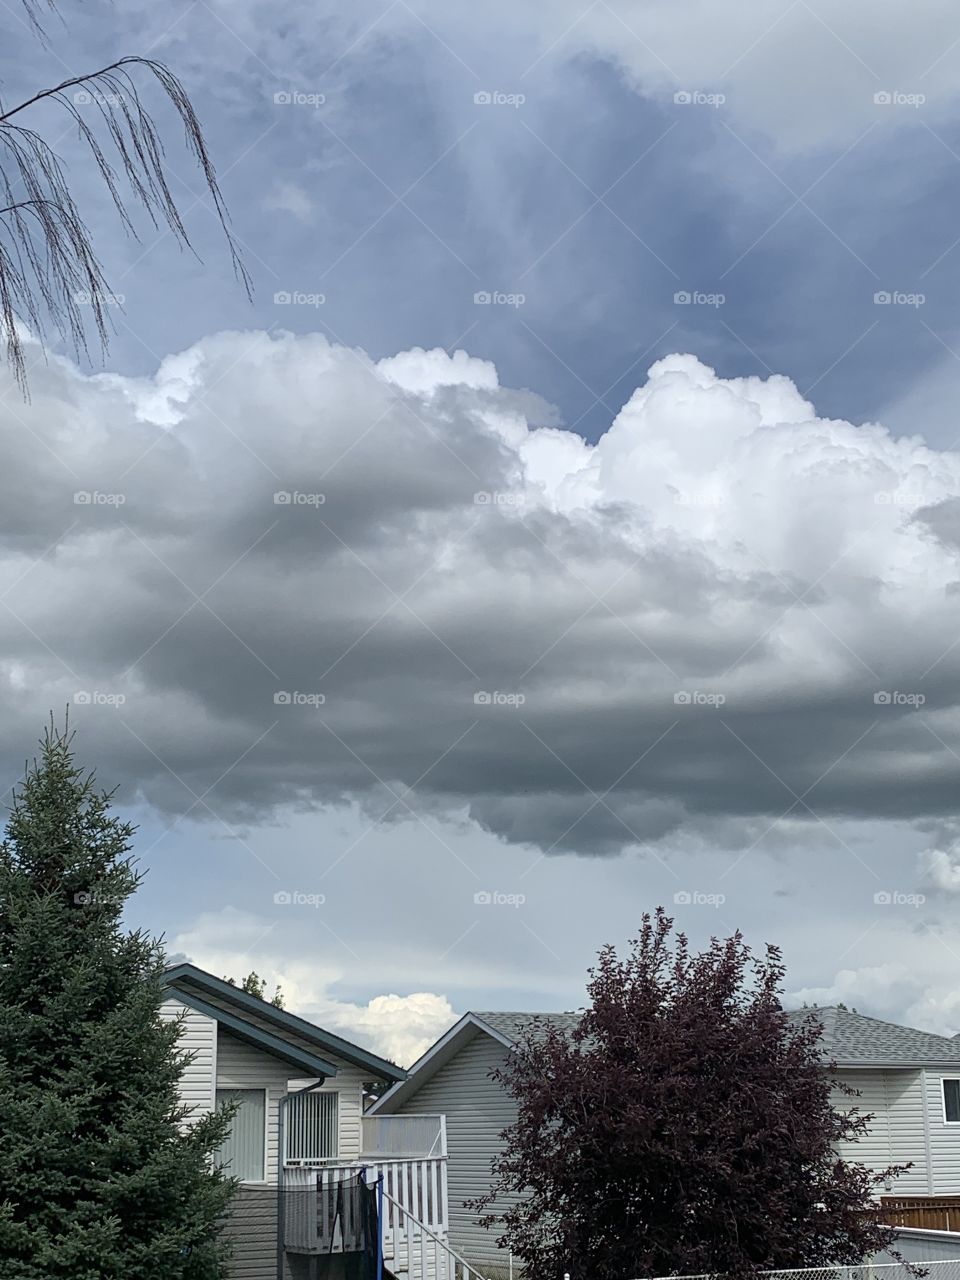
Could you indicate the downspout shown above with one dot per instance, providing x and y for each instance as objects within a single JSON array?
[{"x": 281, "y": 1115}]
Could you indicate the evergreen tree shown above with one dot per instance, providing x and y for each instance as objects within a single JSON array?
[{"x": 99, "y": 1180}]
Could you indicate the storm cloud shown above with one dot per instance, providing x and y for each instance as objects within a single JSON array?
[{"x": 281, "y": 574}]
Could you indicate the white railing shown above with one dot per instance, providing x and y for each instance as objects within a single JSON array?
[
  {"x": 415, "y": 1186},
  {"x": 411, "y": 1249},
  {"x": 403, "y": 1136}
]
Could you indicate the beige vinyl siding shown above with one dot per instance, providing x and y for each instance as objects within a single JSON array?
[
  {"x": 897, "y": 1132},
  {"x": 241, "y": 1066},
  {"x": 251, "y": 1234},
  {"x": 477, "y": 1109},
  {"x": 908, "y": 1137},
  {"x": 198, "y": 1036},
  {"x": 348, "y": 1083},
  {"x": 944, "y": 1138}
]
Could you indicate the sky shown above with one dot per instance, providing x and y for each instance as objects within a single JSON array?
[{"x": 567, "y": 525}]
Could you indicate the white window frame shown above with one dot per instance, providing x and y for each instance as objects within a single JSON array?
[
  {"x": 223, "y": 1087},
  {"x": 300, "y": 1160},
  {"x": 943, "y": 1097}
]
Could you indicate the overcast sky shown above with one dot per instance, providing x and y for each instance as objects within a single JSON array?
[{"x": 569, "y": 525}]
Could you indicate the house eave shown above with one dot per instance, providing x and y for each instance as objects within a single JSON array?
[
  {"x": 188, "y": 975},
  {"x": 313, "y": 1066}
]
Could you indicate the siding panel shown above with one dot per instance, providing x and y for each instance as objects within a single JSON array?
[
  {"x": 944, "y": 1138},
  {"x": 198, "y": 1036},
  {"x": 477, "y": 1109}
]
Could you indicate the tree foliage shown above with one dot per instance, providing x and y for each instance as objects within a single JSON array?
[
  {"x": 50, "y": 273},
  {"x": 254, "y": 985},
  {"x": 685, "y": 1126},
  {"x": 99, "y": 1180}
]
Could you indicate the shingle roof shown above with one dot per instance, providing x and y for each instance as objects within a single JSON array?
[
  {"x": 853, "y": 1039},
  {"x": 509, "y": 1025},
  {"x": 849, "y": 1038}
]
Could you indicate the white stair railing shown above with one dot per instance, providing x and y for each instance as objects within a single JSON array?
[{"x": 413, "y": 1252}]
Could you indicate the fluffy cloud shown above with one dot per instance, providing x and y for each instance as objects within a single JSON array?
[
  {"x": 294, "y": 576},
  {"x": 399, "y": 1028}
]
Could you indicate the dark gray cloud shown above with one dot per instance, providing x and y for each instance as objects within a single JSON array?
[{"x": 280, "y": 574}]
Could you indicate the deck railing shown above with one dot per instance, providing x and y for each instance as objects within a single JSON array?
[
  {"x": 395, "y": 1136},
  {"x": 415, "y": 1186}
]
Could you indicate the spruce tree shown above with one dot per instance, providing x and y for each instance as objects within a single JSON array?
[{"x": 99, "y": 1178}]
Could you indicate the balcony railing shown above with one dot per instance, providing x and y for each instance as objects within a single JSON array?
[{"x": 392, "y": 1136}]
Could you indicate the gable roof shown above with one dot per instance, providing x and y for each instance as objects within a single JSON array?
[
  {"x": 502, "y": 1027},
  {"x": 261, "y": 1023},
  {"x": 511, "y": 1025},
  {"x": 855, "y": 1040}
]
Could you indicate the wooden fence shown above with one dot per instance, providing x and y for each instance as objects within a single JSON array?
[{"x": 934, "y": 1213}]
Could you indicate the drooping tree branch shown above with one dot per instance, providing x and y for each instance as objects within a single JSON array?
[{"x": 49, "y": 268}]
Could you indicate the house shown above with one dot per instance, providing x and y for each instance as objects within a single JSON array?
[
  {"x": 453, "y": 1078},
  {"x": 300, "y": 1131},
  {"x": 909, "y": 1079}
]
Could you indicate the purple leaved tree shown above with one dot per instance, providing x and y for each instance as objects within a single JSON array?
[{"x": 686, "y": 1126}]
